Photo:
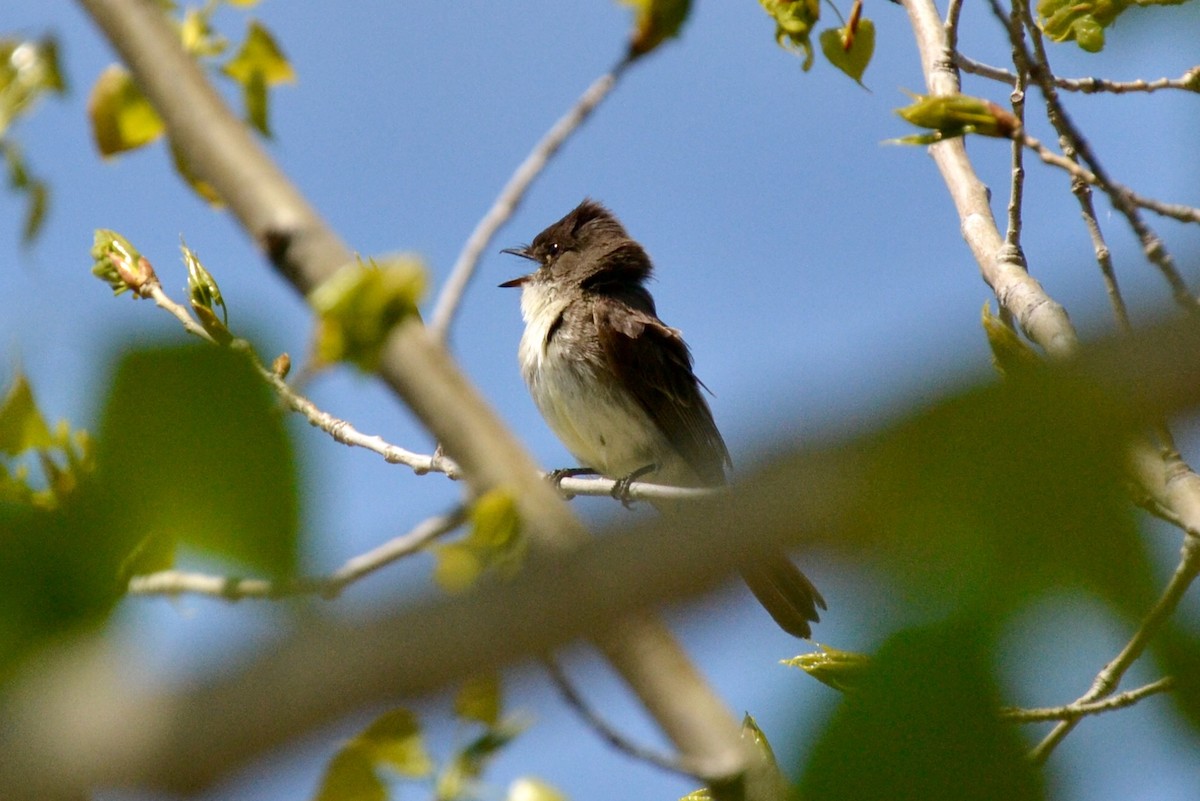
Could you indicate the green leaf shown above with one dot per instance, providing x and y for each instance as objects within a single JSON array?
[
  {"x": 204, "y": 295},
  {"x": 122, "y": 118},
  {"x": 850, "y": 51},
  {"x": 1010, "y": 354},
  {"x": 950, "y": 116},
  {"x": 192, "y": 449},
  {"x": 22, "y": 427},
  {"x": 358, "y": 306},
  {"x": 794, "y": 22},
  {"x": 841, "y": 670},
  {"x": 493, "y": 543},
  {"x": 206, "y": 191},
  {"x": 458, "y": 778},
  {"x": 254, "y": 97},
  {"x": 655, "y": 21},
  {"x": 923, "y": 724},
  {"x": 527, "y": 788},
  {"x": 1081, "y": 20},
  {"x": 29, "y": 70},
  {"x": 479, "y": 699},
  {"x": 751, "y": 732},
  {"x": 118, "y": 263},
  {"x": 259, "y": 58},
  {"x": 351, "y": 776},
  {"x": 394, "y": 739}
]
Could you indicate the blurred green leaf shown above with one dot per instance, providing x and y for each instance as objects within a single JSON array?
[
  {"x": 794, "y": 22},
  {"x": 351, "y": 776},
  {"x": 494, "y": 542},
  {"x": 999, "y": 494},
  {"x": 358, "y": 306},
  {"x": 457, "y": 779},
  {"x": 122, "y": 118},
  {"x": 193, "y": 450},
  {"x": 22, "y": 427},
  {"x": 850, "y": 50},
  {"x": 206, "y": 191},
  {"x": 29, "y": 70},
  {"x": 394, "y": 740},
  {"x": 259, "y": 58},
  {"x": 479, "y": 699},
  {"x": 923, "y": 724}
]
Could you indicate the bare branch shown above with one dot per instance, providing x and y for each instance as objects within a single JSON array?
[
  {"x": 607, "y": 733},
  {"x": 178, "y": 582},
  {"x": 1078, "y": 710},
  {"x": 1107, "y": 679},
  {"x": 1036, "y": 64},
  {"x": 511, "y": 196},
  {"x": 1189, "y": 81}
]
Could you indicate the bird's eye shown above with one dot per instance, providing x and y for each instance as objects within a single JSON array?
[{"x": 553, "y": 249}]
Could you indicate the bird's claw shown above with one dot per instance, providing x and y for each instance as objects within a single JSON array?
[
  {"x": 556, "y": 476},
  {"x": 621, "y": 486}
]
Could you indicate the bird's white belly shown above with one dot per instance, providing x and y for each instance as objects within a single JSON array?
[{"x": 601, "y": 425}]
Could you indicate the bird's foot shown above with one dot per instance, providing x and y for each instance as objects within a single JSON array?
[
  {"x": 555, "y": 477},
  {"x": 620, "y": 489}
]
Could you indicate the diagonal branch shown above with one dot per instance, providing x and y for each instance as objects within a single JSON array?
[{"x": 511, "y": 196}]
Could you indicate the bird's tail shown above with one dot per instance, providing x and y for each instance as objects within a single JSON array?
[{"x": 785, "y": 593}]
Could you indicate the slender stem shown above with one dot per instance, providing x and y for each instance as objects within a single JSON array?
[
  {"x": 1189, "y": 81},
  {"x": 607, "y": 732},
  {"x": 1079, "y": 710},
  {"x": 510, "y": 198},
  {"x": 178, "y": 582},
  {"x": 1107, "y": 679}
]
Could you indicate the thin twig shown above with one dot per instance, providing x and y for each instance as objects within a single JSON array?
[
  {"x": 229, "y": 588},
  {"x": 606, "y": 731},
  {"x": 1107, "y": 679},
  {"x": 1177, "y": 211},
  {"x": 1189, "y": 81},
  {"x": 511, "y": 196},
  {"x": 1036, "y": 64},
  {"x": 1078, "y": 710},
  {"x": 1016, "y": 195},
  {"x": 953, "y": 12}
]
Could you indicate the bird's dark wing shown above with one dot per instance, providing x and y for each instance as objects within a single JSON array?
[{"x": 652, "y": 359}]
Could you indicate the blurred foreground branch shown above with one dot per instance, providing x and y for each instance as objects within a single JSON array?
[{"x": 83, "y": 711}]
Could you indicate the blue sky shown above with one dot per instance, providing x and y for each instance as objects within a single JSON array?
[{"x": 817, "y": 274}]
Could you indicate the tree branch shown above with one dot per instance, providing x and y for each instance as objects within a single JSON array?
[
  {"x": 414, "y": 364},
  {"x": 1078, "y": 710},
  {"x": 511, "y": 196}
]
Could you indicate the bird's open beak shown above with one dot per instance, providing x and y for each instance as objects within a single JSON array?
[{"x": 524, "y": 253}]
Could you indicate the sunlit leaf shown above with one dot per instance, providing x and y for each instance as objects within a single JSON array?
[
  {"x": 841, "y": 670},
  {"x": 850, "y": 52},
  {"x": 205, "y": 296},
  {"x": 358, "y": 306},
  {"x": 118, "y": 263},
  {"x": 122, "y": 118},
  {"x": 1010, "y": 354},
  {"x": 259, "y": 58},
  {"x": 794, "y": 22},
  {"x": 949, "y": 116}
]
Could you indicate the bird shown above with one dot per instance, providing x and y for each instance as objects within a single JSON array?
[{"x": 616, "y": 384}]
